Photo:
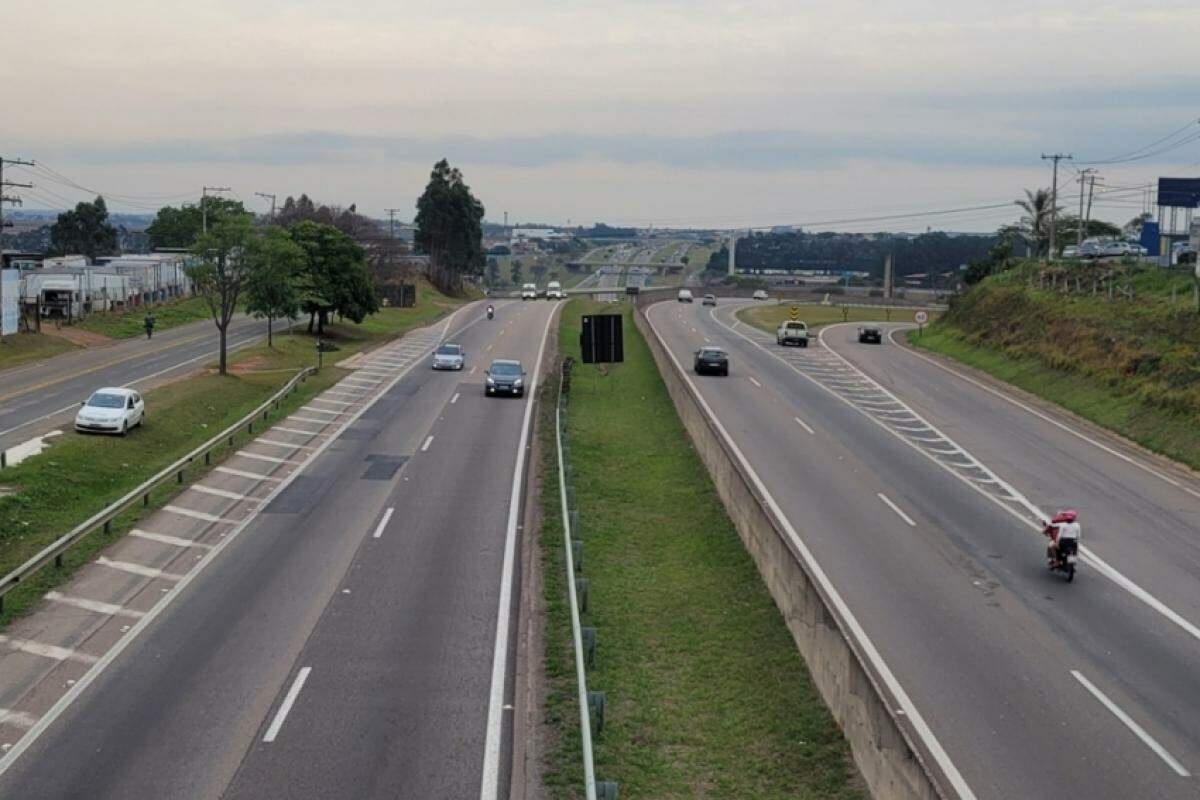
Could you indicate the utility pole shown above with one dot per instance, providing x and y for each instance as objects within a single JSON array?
[
  {"x": 1087, "y": 219},
  {"x": 391, "y": 212},
  {"x": 6, "y": 198},
  {"x": 733, "y": 253},
  {"x": 1083, "y": 176},
  {"x": 1054, "y": 201},
  {"x": 204, "y": 206},
  {"x": 266, "y": 196}
]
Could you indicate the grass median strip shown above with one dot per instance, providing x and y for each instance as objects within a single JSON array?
[
  {"x": 128, "y": 324},
  {"x": 80, "y": 474},
  {"x": 22, "y": 348},
  {"x": 706, "y": 693},
  {"x": 768, "y": 317}
]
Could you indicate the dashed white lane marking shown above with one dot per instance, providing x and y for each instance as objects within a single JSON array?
[
  {"x": 162, "y": 538},
  {"x": 47, "y": 650},
  {"x": 365, "y": 383},
  {"x": 200, "y": 487},
  {"x": 755, "y": 382},
  {"x": 489, "y": 347},
  {"x": 18, "y": 719},
  {"x": 340, "y": 393},
  {"x": 428, "y": 442},
  {"x": 314, "y": 410},
  {"x": 110, "y": 609},
  {"x": 261, "y": 457},
  {"x": 804, "y": 425},
  {"x": 296, "y": 430},
  {"x": 454, "y": 399},
  {"x": 896, "y": 508},
  {"x": 472, "y": 372},
  {"x": 286, "y": 707},
  {"x": 387, "y": 515},
  {"x": 277, "y": 443},
  {"x": 331, "y": 402},
  {"x": 310, "y": 419},
  {"x": 1138, "y": 730},
  {"x": 372, "y": 373},
  {"x": 204, "y": 515},
  {"x": 137, "y": 569},
  {"x": 241, "y": 473}
]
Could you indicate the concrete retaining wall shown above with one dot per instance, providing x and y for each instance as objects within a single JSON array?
[{"x": 887, "y": 752}]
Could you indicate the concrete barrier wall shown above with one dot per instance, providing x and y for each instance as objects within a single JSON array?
[{"x": 887, "y": 752}]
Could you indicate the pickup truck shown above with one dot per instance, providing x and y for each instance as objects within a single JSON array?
[{"x": 792, "y": 333}]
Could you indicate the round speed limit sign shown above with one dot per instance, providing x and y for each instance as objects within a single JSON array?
[{"x": 922, "y": 317}]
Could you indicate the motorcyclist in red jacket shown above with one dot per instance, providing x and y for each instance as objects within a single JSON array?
[{"x": 1063, "y": 526}]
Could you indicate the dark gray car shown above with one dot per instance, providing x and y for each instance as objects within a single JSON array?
[{"x": 505, "y": 376}]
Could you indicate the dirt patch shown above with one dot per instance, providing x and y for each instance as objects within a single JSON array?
[
  {"x": 75, "y": 335},
  {"x": 251, "y": 364}
]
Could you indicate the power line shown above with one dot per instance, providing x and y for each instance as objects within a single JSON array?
[{"x": 6, "y": 198}]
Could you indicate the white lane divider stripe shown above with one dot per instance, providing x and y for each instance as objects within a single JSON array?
[
  {"x": 286, "y": 707},
  {"x": 137, "y": 569},
  {"x": 314, "y": 410},
  {"x": 755, "y": 382},
  {"x": 277, "y": 443},
  {"x": 454, "y": 399},
  {"x": 241, "y": 473},
  {"x": 18, "y": 719},
  {"x": 296, "y": 430},
  {"x": 311, "y": 419},
  {"x": 428, "y": 442},
  {"x": 47, "y": 650},
  {"x": 331, "y": 402},
  {"x": 97, "y": 606},
  {"x": 204, "y": 515},
  {"x": 804, "y": 425},
  {"x": 271, "y": 459},
  {"x": 896, "y": 508},
  {"x": 387, "y": 515},
  {"x": 200, "y": 487},
  {"x": 162, "y": 538},
  {"x": 1138, "y": 730}
]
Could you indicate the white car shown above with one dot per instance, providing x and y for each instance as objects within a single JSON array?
[
  {"x": 449, "y": 356},
  {"x": 760, "y": 294},
  {"x": 111, "y": 410},
  {"x": 529, "y": 291},
  {"x": 684, "y": 296}
]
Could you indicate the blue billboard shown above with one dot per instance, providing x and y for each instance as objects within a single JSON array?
[{"x": 1179, "y": 192}]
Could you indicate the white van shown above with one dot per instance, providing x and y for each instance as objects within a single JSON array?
[
  {"x": 554, "y": 291},
  {"x": 529, "y": 291},
  {"x": 684, "y": 296}
]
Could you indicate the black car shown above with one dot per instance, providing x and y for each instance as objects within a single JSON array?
[
  {"x": 504, "y": 377},
  {"x": 869, "y": 334},
  {"x": 712, "y": 360}
]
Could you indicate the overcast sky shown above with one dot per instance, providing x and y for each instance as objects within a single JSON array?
[{"x": 676, "y": 113}]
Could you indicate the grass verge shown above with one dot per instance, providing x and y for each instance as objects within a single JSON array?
[
  {"x": 707, "y": 695},
  {"x": 1170, "y": 433},
  {"x": 21, "y": 348},
  {"x": 80, "y": 474},
  {"x": 128, "y": 324},
  {"x": 768, "y": 317}
]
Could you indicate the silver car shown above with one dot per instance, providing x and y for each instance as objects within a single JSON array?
[{"x": 449, "y": 356}]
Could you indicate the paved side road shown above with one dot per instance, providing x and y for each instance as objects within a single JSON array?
[
  {"x": 350, "y": 638},
  {"x": 35, "y": 398}
]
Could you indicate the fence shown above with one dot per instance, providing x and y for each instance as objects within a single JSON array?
[
  {"x": 176, "y": 471},
  {"x": 591, "y": 704}
]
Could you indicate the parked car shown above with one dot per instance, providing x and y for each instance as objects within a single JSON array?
[
  {"x": 792, "y": 332},
  {"x": 554, "y": 291},
  {"x": 711, "y": 359},
  {"x": 870, "y": 334},
  {"x": 761, "y": 294},
  {"x": 111, "y": 410},
  {"x": 1070, "y": 251},
  {"x": 449, "y": 356},
  {"x": 505, "y": 376},
  {"x": 709, "y": 300},
  {"x": 684, "y": 296},
  {"x": 1091, "y": 250},
  {"x": 529, "y": 291}
]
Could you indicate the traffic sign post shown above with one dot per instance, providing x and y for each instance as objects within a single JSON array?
[{"x": 922, "y": 318}]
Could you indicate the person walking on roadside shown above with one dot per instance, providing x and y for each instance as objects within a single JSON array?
[{"x": 149, "y": 323}]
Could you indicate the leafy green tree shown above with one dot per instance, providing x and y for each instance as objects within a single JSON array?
[
  {"x": 84, "y": 230},
  {"x": 1069, "y": 225},
  {"x": 180, "y": 227},
  {"x": 221, "y": 271},
  {"x": 274, "y": 263},
  {"x": 335, "y": 279},
  {"x": 1034, "y": 224},
  {"x": 450, "y": 228},
  {"x": 514, "y": 271}
]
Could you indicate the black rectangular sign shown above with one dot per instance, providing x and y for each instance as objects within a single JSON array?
[
  {"x": 600, "y": 340},
  {"x": 1179, "y": 192}
]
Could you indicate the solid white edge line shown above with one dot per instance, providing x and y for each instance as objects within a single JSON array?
[
  {"x": 896, "y": 508},
  {"x": 1138, "y": 730},
  {"x": 1040, "y": 415},
  {"x": 907, "y": 707},
  {"x": 489, "y": 785},
  {"x": 804, "y": 425},
  {"x": 454, "y": 399},
  {"x": 755, "y": 382},
  {"x": 428, "y": 442},
  {"x": 387, "y": 515},
  {"x": 286, "y": 707},
  {"x": 64, "y": 702}
]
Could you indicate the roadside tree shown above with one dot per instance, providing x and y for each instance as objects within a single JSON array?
[
  {"x": 221, "y": 272},
  {"x": 335, "y": 278},
  {"x": 274, "y": 265},
  {"x": 450, "y": 228},
  {"x": 84, "y": 230},
  {"x": 181, "y": 227}
]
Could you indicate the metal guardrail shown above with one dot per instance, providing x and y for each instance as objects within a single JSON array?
[
  {"x": 54, "y": 551},
  {"x": 590, "y": 703}
]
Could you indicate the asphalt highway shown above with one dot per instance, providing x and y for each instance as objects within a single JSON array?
[
  {"x": 353, "y": 640},
  {"x": 35, "y": 398},
  {"x": 1034, "y": 688}
]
